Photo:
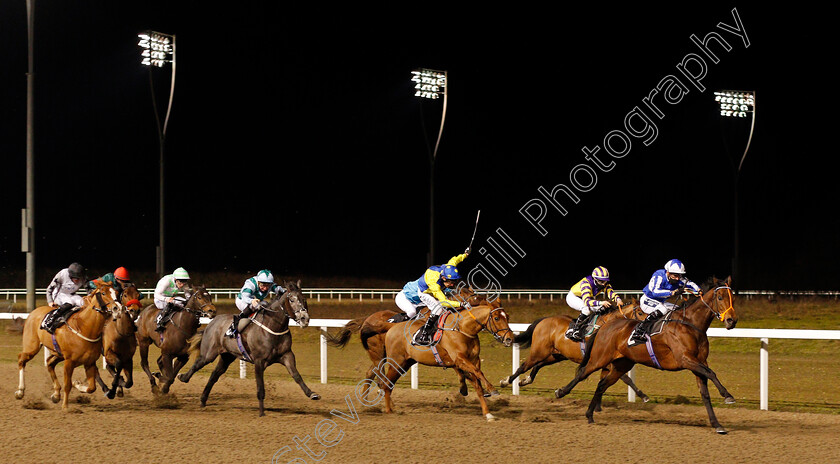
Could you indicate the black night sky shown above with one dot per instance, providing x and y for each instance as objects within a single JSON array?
[{"x": 296, "y": 142}]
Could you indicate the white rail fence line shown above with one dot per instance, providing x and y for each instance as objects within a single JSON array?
[
  {"x": 381, "y": 293},
  {"x": 763, "y": 334}
]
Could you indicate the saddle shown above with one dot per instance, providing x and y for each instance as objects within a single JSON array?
[
  {"x": 51, "y": 322},
  {"x": 655, "y": 328},
  {"x": 440, "y": 327}
]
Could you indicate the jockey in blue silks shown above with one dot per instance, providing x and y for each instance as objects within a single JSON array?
[
  {"x": 430, "y": 291},
  {"x": 664, "y": 284}
]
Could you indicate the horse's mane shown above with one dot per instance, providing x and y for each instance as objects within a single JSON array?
[{"x": 710, "y": 284}]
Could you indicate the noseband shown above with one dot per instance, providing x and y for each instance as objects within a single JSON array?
[{"x": 486, "y": 326}]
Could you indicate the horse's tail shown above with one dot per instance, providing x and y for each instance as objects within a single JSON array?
[
  {"x": 524, "y": 339},
  {"x": 340, "y": 340},
  {"x": 588, "y": 351},
  {"x": 195, "y": 341}
]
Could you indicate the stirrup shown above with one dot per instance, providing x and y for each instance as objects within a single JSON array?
[{"x": 574, "y": 335}]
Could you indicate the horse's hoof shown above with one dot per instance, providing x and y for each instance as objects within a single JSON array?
[
  {"x": 490, "y": 417},
  {"x": 19, "y": 394},
  {"x": 181, "y": 377},
  {"x": 262, "y": 413},
  {"x": 504, "y": 383},
  {"x": 155, "y": 390},
  {"x": 314, "y": 396},
  {"x": 463, "y": 391},
  {"x": 110, "y": 394},
  {"x": 645, "y": 399},
  {"x": 55, "y": 398},
  {"x": 120, "y": 393},
  {"x": 729, "y": 400},
  {"x": 525, "y": 381},
  {"x": 157, "y": 375},
  {"x": 559, "y": 393},
  {"x": 721, "y": 431},
  {"x": 491, "y": 393}
]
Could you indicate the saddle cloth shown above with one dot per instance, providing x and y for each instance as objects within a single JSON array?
[{"x": 441, "y": 324}]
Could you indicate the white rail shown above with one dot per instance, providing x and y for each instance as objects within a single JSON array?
[{"x": 763, "y": 334}]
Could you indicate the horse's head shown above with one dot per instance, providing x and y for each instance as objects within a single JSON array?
[
  {"x": 293, "y": 303},
  {"x": 130, "y": 300},
  {"x": 718, "y": 297},
  {"x": 103, "y": 299},
  {"x": 199, "y": 300},
  {"x": 493, "y": 318}
]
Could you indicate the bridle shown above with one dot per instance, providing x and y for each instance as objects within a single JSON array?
[
  {"x": 721, "y": 315},
  {"x": 488, "y": 326},
  {"x": 200, "y": 312}
]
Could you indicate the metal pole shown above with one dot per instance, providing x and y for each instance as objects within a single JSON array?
[
  {"x": 30, "y": 160},
  {"x": 631, "y": 395},
  {"x": 515, "y": 367},
  {"x": 323, "y": 340}
]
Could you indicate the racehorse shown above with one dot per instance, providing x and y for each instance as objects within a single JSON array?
[
  {"x": 458, "y": 348},
  {"x": 547, "y": 339},
  {"x": 173, "y": 342},
  {"x": 265, "y": 341},
  {"x": 372, "y": 331},
  {"x": 119, "y": 342},
  {"x": 78, "y": 342},
  {"x": 682, "y": 344}
]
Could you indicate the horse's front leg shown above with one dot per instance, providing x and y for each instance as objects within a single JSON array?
[
  {"x": 179, "y": 362},
  {"x": 626, "y": 379},
  {"x": 608, "y": 378},
  {"x": 491, "y": 389},
  {"x": 702, "y": 382},
  {"x": 69, "y": 366},
  {"x": 259, "y": 371},
  {"x": 468, "y": 367},
  {"x": 288, "y": 360},
  {"x": 702, "y": 370},
  {"x": 91, "y": 373},
  {"x": 166, "y": 372},
  {"x": 53, "y": 361},
  {"x": 143, "y": 345}
]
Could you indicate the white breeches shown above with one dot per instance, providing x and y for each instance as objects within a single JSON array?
[
  {"x": 426, "y": 300},
  {"x": 75, "y": 300},
  {"x": 576, "y": 303},
  {"x": 650, "y": 305}
]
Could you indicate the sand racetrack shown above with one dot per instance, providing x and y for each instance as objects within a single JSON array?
[{"x": 428, "y": 424}]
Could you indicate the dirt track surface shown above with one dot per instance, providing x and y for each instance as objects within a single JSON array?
[{"x": 439, "y": 425}]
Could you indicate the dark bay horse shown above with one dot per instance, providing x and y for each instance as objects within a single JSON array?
[
  {"x": 174, "y": 341},
  {"x": 78, "y": 342},
  {"x": 458, "y": 348},
  {"x": 266, "y": 340},
  {"x": 682, "y": 344},
  {"x": 119, "y": 342},
  {"x": 372, "y": 329},
  {"x": 547, "y": 340}
]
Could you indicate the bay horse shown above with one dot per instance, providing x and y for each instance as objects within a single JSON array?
[
  {"x": 78, "y": 342},
  {"x": 548, "y": 342},
  {"x": 682, "y": 344},
  {"x": 119, "y": 342},
  {"x": 265, "y": 341},
  {"x": 458, "y": 348},
  {"x": 372, "y": 329},
  {"x": 174, "y": 340}
]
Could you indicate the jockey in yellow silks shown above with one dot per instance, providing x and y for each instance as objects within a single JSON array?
[
  {"x": 583, "y": 297},
  {"x": 430, "y": 291}
]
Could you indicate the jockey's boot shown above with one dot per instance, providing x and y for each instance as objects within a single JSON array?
[
  {"x": 231, "y": 331},
  {"x": 574, "y": 333},
  {"x": 424, "y": 335},
  {"x": 642, "y": 327},
  {"x": 399, "y": 317},
  {"x": 163, "y": 318},
  {"x": 58, "y": 317}
]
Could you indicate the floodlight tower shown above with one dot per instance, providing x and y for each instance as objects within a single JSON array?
[
  {"x": 737, "y": 104},
  {"x": 432, "y": 84},
  {"x": 158, "y": 49}
]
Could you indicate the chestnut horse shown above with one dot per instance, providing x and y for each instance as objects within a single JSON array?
[
  {"x": 549, "y": 345},
  {"x": 458, "y": 348},
  {"x": 119, "y": 342},
  {"x": 372, "y": 331},
  {"x": 266, "y": 340},
  {"x": 78, "y": 342},
  {"x": 174, "y": 341},
  {"x": 682, "y": 344}
]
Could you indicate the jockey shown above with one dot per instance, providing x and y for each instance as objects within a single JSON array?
[
  {"x": 165, "y": 290},
  {"x": 61, "y": 294},
  {"x": 118, "y": 279},
  {"x": 430, "y": 291},
  {"x": 582, "y": 297},
  {"x": 664, "y": 284},
  {"x": 255, "y": 290}
]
